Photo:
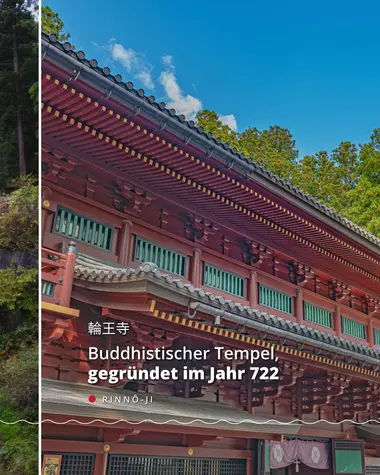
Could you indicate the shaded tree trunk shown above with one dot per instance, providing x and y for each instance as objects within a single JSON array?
[{"x": 20, "y": 135}]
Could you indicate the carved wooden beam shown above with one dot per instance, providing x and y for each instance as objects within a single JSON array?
[
  {"x": 299, "y": 273},
  {"x": 90, "y": 186},
  {"x": 374, "y": 307},
  {"x": 225, "y": 245},
  {"x": 254, "y": 253},
  {"x": 54, "y": 168},
  {"x": 117, "y": 435},
  {"x": 199, "y": 440},
  {"x": 339, "y": 291},
  {"x": 129, "y": 198},
  {"x": 151, "y": 337},
  {"x": 356, "y": 400},
  {"x": 198, "y": 229},
  {"x": 164, "y": 215},
  {"x": 55, "y": 330}
]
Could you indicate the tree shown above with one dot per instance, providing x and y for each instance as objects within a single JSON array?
[
  {"x": 19, "y": 224},
  {"x": 19, "y": 334},
  {"x": 364, "y": 198},
  {"x": 211, "y": 122},
  {"x": 274, "y": 148},
  {"x": 329, "y": 177},
  {"x": 51, "y": 23},
  {"x": 18, "y": 73},
  {"x": 346, "y": 180}
]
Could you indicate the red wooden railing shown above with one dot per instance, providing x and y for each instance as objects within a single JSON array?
[{"x": 57, "y": 275}]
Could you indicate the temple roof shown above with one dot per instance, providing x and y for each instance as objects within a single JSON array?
[
  {"x": 369, "y": 431},
  {"x": 93, "y": 271},
  {"x": 179, "y": 125},
  {"x": 71, "y": 400}
]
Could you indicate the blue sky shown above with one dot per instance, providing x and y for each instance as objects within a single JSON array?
[{"x": 312, "y": 67}]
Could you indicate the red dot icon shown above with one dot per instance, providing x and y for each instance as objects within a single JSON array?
[{"x": 91, "y": 398}]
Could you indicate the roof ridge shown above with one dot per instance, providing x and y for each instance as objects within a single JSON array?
[{"x": 128, "y": 86}]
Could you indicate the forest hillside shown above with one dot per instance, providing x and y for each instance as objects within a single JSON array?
[{"x": 18, "y": 237}]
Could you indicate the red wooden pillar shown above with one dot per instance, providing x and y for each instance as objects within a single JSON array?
[
  {"x": 370, "y": 338},
  {"x": 250, "y": 469},
  {"x": 46, "y": 195},
  {"x": 100, "y": 467},
  {"x": 196, "y": 268},
  {"x": 252, "y": 290},
  {"x": 299, "y": 306},
  {"x": 125, "y": 249},
  {"x": 337, "y": 321},
  {"x": 68, "y": 276}
]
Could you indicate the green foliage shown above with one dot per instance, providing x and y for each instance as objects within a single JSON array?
[
  {"x": 19, "y": 224},
  {"x": 52, "y": 24},
  {"x": 19, "y": 370},
  {"x": 364, "y": 209},
  {"x": 210, "y": 121},
  {"x": 19, "y": 382},
  {"x": 20, "y": 446},
  {"x": 18, "y": 40},
  {"x": 364, "y": 198},
  {"x": 330, "y": 177},
  {"x": 34, "y": 95},
  {"x": 274, "y": 148},
  {"x": 18, "y": 287},
  {"x": 18, "y": 232},
  {"x": 346, "y": 180}
]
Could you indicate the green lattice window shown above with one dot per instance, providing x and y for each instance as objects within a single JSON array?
[
  {"x": 376, "y": 336},
  {"x": 223, "y": 280},
  {"x": 274, "y": 299},
  {"x": 348, "y": 461},
  {"x": 47, "y": 288},
  {"x": 317, "y": 315},
  {"x": 352, "y": 328},
  {"x": 165, "y": 259},
  {"x": 83, "y": 229}
]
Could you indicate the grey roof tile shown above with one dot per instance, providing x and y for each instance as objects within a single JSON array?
[{"x": 88, "y": 268}]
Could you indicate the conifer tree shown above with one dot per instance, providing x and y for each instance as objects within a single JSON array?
[{"x": 18, "y": 73}]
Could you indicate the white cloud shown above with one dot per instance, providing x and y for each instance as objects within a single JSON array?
[
  {"x": 183, "y": 103},
  {"x": 146, "y": 78},
  {"x": 168, "y": 61},
  {"x": 229, "y": 120},
  {"x": 135, "y": 63}
]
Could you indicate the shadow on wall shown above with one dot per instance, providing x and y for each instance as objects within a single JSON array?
[{"x": 19, "y": 258}]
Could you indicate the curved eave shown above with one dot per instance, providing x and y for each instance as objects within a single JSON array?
[
  {"x": 369, "y": 432},
  {"x": 75, "y": 124},
  {"x": 126, "y": 95},
  {"x": 71, "y": 400},
  {"x": 97, "y": 277}
]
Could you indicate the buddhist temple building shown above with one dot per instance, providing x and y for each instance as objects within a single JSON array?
[{"x": 156, "y": 235}]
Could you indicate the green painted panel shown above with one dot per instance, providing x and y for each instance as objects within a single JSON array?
[
  {"x": 348, "y": 461},
  {"x": 376, "y": 336},
  {"x": 47, "y": 288},
  {"x": 223, "y": 280},
  {"x": 165, "y": 259},
  {"x": 317, "y": 315},
  {"x": 274, "y": 299},
  {"x": 267, "y": 458},
  {"x": 83, "y": 229},
  {"x": 352, "y": 328}
]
